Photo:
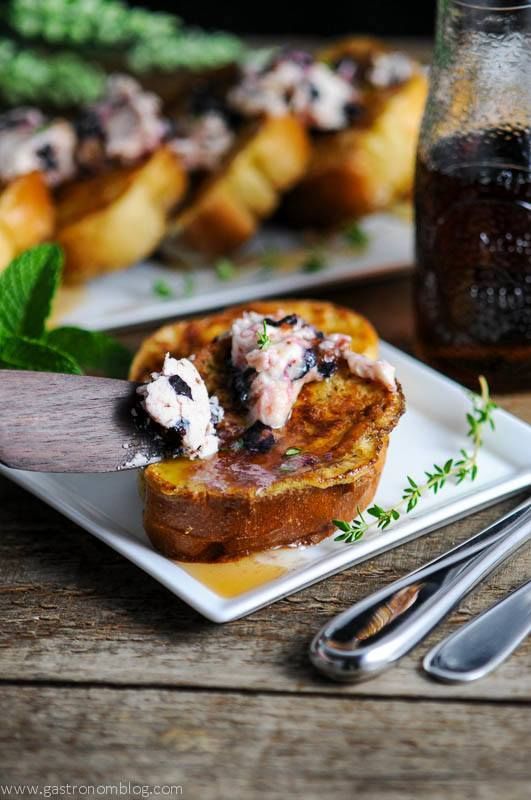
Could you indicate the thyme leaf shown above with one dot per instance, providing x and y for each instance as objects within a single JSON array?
[
  {"x": 162, "y": 289},
  {"x": 262, "y": 340},
  {"x": 225, "y": 269},
  {"x": 292, "y": 451},
  {"x": 356, "y": 236},
  {"x": 315, "y": 262}
]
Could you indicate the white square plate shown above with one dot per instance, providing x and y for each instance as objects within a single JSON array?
[
  {"x": 127, "y": 298},
  {"x": 432, "y": 429}
]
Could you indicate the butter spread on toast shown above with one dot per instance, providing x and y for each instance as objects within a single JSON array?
[
  {"x": 125, "y": 125},
  {"x": 295, "y": 83},
  {"x": 177, "y": 399},
  {"x": 30, "y": 142},
  {"x": 276, "y": 356},
  {"x": 202, "y": 141}
]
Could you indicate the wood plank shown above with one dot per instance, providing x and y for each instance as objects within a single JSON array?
[
  {"x": 254, "y": 746},
  {"x": 74, "y": 610}
]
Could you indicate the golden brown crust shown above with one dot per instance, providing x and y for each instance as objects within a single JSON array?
[
  {"x": 368, "y": 166},
  {"x": 112, "y": 220},
  {"x": 269, "y": 158},
  {"x": 239, "y": 502},
  {"x": 221, "y": 530},
  {"x": 26, "y": 215}
]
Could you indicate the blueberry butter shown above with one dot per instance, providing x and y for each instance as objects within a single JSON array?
[{"x": 177, "y": 400}]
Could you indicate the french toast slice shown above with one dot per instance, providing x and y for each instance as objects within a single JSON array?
[
  {"x": 368, "y": 166},
  {"x": 27, "y": 215},
  {"x": 268, "y": 158},
  {"x": 238, "y": 502},
  {"x": 112, "y": 220}
]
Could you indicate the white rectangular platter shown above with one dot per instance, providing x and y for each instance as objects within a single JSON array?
[
  {"x": 127, "y": 298},
  {"x": 433, "y": 429}
]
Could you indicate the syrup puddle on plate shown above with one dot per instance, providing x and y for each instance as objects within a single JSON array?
[{"x": 232, "y": 578}]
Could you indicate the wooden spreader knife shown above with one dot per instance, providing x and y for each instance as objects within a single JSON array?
[{"x": 71, "y": 423}]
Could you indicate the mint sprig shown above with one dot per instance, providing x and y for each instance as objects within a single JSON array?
[{"x": 27, "y": 288}]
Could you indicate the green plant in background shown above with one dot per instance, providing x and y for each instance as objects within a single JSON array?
[
  {"x": 27, "y": 289},
  {"x": 87, "y": 22},
  {"x": 61, "y": 79},
  {"x": 145, "y": 40}
]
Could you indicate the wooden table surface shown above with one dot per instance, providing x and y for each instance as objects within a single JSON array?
[{"x": 107, "y": 677}]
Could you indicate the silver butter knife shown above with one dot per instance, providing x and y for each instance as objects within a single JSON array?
[
  {"x": 477, "y": 648},
  {"x": 375, "y": 633}
]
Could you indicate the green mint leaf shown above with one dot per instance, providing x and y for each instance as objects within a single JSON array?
[
  {"x": 27, "y": 287},
  {"x": 225, "y": 269},
  {"x": 24, "y": 353},
  {"x": 92, "y": 350},
  {"x": 162, "y": 289}
]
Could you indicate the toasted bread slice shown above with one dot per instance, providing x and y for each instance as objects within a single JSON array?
[
  {"x": 238, "y": 502},
  {"x": 368, "y": 166},
  {"x": 267, "y": 159},
  {"x": 26, "y": 215},
  {"x": 112, "y": 220}
]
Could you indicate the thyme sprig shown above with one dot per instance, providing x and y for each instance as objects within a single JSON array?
[{"x": 457, "y": 469}]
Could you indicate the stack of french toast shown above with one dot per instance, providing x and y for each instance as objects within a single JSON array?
[{"x": 316, "y": 139}]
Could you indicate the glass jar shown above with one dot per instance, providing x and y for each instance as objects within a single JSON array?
[{"x": 473, "y": 196}]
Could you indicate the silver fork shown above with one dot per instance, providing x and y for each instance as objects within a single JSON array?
[{"x": 375, "y": 633}]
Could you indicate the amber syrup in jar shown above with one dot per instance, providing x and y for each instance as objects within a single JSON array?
[{"x": 473, "y": 252}]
